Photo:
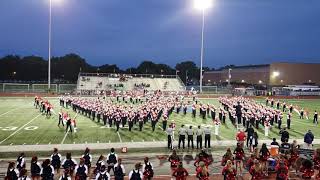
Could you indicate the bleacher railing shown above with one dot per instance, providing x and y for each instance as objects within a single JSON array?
[
  {"x": 36, "y": 88},
  {"x": 114, "y": 75}
]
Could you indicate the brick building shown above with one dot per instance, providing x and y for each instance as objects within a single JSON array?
[{"x": 274, "y": 74}]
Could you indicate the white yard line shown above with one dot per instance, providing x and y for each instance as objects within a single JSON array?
[
  {"x": 19, "y": 129},
  {"x": 64, "y": 138},
  {"x": 119, "y": 137},
  {"x": 8, "y": 111}
]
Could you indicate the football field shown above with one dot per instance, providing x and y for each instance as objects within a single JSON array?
[{"x": 21, "y": 123}]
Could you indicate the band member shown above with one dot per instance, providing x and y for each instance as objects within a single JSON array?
[
  {"x": 315, "y": 117},
  {"x": 216, "y": 126},
  {"x": 182, "y": 136},
  {"x": 12, "y": 172},
  {"x": 228, "y": 172},
  {"x": 99, "y": 164},
  {"x": 190, "y": 134},
  {"x": 147, "y": 169},
  {"x": 56, "y": 159},
  {"x": 103, "y": 174},
  {"x": 140, "y": 122},
  {"x": 170, "y": 139},
  {"x": 21, "y": 163},
  {"x": 119, "y": 171},
  {"x": 87, "y": 158},
  {"x": 81, "y": 170},
  {"x": 185, "y": 109},
  {"x": 112, "y": 159},
  {"x": 288, "y": 120},
  {"x": 180, "y": 173},
  {"x": 68, "y": 128},
  {"x": 136, "y": 173},
  {"x": 193, "y": 110},
  {"x": 302, "y": 114},
  {"x": 47, "y": 171},
  {"x": 199, "y": 134},
  {"x": 69, "y": 163},
  {"x": 35, "y": 168},
  {"x": 164, "y": 121},
  {"x": 207, "y": 137},
  {"x": 61, "y": 118}
]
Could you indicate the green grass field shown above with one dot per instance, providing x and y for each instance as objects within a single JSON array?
[{"x": 21, "y": 123}]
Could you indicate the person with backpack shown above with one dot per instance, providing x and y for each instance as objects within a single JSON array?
[
  {"x": 24, "y": 175},
  {"x": 180, "y": 173},
  {"x": 65, "y": 175},
  {"x": 69, "y": 163},
  {"x": 119, "y": 171},
  {"x": 147, "y": 169},
  {"x": 87, "y": 158},
  {"x": 81, "y": 170},
  {"x": 56, "y": 160},
  {"x": 21, "y": 163},
  {"x": 136, "y": 173},
  {"x": 35, "y": 168},
  {"x": 47, "y": 171},
  {"x": 103, "y": 174},
  {"x": 12, "y": 172},
  {"x": 112, "y": 159}
]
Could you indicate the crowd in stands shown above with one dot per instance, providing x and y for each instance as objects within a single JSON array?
[{"x": 141, "y": 85}]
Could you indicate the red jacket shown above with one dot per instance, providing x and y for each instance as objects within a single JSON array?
[{"x": 229, "y": 175}]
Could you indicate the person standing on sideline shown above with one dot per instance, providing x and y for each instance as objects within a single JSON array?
[
  {"x": 308, "y": 139},
  {"x": 199, "y": 134},
  {"x": 182, "y": 136},
  {"x": 250, "y": 132},
  {"x": 207, "y": 137},
  {"x": 169, "y": 134},
  {"x": 190, "y": 134}
]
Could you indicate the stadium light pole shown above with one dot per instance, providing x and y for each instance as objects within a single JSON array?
[
  {"x": 202, "y": 5},
  {"x": 49, "y": 45}
]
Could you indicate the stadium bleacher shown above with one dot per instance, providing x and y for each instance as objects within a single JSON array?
[{"x": 99, "y": 82}]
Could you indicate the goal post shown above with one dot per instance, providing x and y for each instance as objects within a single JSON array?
[
  {"x": 67, "y": 88},
  {"x": 15, "y": 87},
  {"x": 43, "y": 88}
]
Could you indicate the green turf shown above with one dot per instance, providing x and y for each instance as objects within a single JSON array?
[{"x": 16, "y": 114}]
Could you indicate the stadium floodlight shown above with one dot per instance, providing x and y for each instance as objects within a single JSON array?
[
  {"x": 275, "y": 73},
  {"x": 202, "y": 5},
  {"x": 260, "y": 82},
  {"x": 242, "y": 81}
]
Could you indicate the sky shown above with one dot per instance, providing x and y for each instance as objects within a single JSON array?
[{"x": 127, "y": 32}]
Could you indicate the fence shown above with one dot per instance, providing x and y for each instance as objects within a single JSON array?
[
  {"x": 37, "y": 88},
  {"x": 210, "y": 89}
]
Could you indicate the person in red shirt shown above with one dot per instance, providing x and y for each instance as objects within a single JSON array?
[
  {"x": 282, "y": 171},
  {"x": 180, "y": 173},
  {"x": 202, "y": 171},
  {"x": 227, "y": 156},
  {"x": 229, "y": 172},
  {"x": 239, "y": 155},
  {"x": 316, "y": 161},
  {"x": 307, "y": 170},
  {"x": 250, "y": 161},
  {"x": 241, "y": 137}
]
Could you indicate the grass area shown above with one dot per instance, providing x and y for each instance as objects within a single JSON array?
[{"x": 21, "y": 123}]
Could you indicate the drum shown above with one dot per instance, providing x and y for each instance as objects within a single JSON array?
[{"x": 274, "y": 150}]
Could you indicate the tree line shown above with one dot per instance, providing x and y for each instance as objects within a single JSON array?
[{"x": 66, "y": 69}]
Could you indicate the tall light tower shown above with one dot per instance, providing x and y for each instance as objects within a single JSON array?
[
  {"x": 49, "y": 40},
  {"x": 49, "y": 45},
  {"x": 202, "y": 5}
]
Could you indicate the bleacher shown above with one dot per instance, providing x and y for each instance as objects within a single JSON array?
[{"x": 99, "y": 82}]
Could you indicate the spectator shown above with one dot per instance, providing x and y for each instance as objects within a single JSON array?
[
  {"x": 284, "y": 135},
  {"x": 308, "y": 139},
  {"x": 241, "y": 137},
  {"x": 274, "y": 142}
]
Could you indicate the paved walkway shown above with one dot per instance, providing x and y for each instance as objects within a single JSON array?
[{"x": 129, "y": 145}]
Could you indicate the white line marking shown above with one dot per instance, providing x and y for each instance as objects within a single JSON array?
[
  {"x": 8, "y": 112},
  {"x": 119, "y": 136},
  {"x": 19, "y": 129},
  {"x": 64, "y": 138}
]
